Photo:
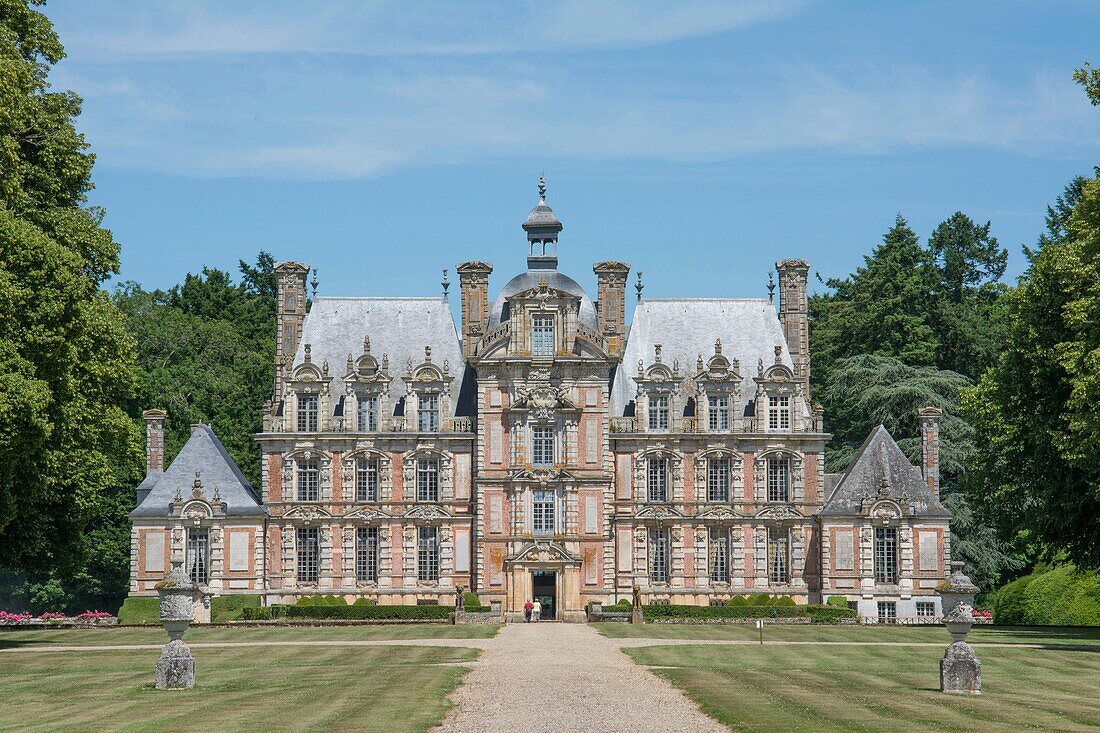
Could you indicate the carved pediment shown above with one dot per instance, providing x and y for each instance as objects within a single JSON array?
[
  {"x": 427, "y": 513},
  {"x": 542, "y": 400},
  {"x": 541, "y": 475},
  {"x": 658, "y": 511},
  {"x": 718, "y": 513},
  {"x": 544, "y": 551},
  {"x": 367, "y": 514},
  {"x": 307, "y": 514},
  {"x": 884, "y": 513},
  {"x": 779, "y": 513}
]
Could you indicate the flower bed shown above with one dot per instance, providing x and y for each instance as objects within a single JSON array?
[{"x": 53, "y": 618}]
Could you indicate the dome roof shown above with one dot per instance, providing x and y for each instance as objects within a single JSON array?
[
  {"x": 530, "y": 280},
  {"x": 542, "y": 217}
]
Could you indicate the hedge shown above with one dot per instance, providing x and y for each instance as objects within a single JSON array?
[
  {"x": 255, "y": 614},
  {"x": 761, "y": 600},
  {"x": 837, "y": 601},
  {"x": 353, "y": 612},
  {"x": 817, "y": 614},
  {"x": 229, "y": 608},
  {"x": 829, "y": 614},
  {"x": 319, "y": 600},
  {"x": 140, "y": 611},
  {"x": 1061, "y": 596}
]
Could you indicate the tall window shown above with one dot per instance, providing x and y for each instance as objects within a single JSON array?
[
  {"x": 307, "y": 413},
  {"x": 309, "y": 473},
  {"x": 658, "y": 412},
  {"x": 366, "y": 479},
  {"x": 887, "y": 612},
  {"x": 779, "y": 412},
  {"x": 657, "y": 469},
  {"x": 427, "y": 553},
  {"x": 718, "y": 414},
  {"x": 198, "y": 555},
  {"x": 543, "y": 512},
  {"x": 427, "y": 410},
  {"x": 779, "y": 556},
  {"x": 367, "y": 418},
  {"x": 427, "y": 479},
  {"x": 309, "y": 554},
  {"x": 926, "y": 609},
  {"x": 658, "y": 555},
  {"x": 886, "y": 555},
  {"x": 718, "y": 479},
  {"x": 779, "y": 479},
  {"x": 542, "y": 335},
  {"x": 542, "y": 446},
  {"x": 366, "y": 554},
  {"x": 719, "y": 556}
]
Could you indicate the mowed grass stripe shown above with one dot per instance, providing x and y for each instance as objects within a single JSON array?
[{"x": 849, "y": 688}]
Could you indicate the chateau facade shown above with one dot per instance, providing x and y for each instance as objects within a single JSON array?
[{"x": 544, "y": 448}]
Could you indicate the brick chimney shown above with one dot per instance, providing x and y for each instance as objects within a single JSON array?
[
  {"x": 611, "y": 302},
  {"x": 794, "y": 315},
  {"x": 290, "y": 314},
  {"x": 930, "y": 446},
  {"x": 473, "y": 280},
  {"x": 154, "y": 441}
]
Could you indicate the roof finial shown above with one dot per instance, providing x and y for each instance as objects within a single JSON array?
[
  {"x": 446, "y": 284},
  {"x": 657, "y": 352},
  {"x": 638, "y": 286},
  {"x": 366, "y": 343},
  {"x": 717, "y": 346},
  {"x": 313, "y": 283},
  {"x": 542, "y": 188},
  {"x": 771, "y": 287}
]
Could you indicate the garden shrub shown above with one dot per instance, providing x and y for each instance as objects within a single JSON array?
[
  {"x": 140, "y": 611},
  {"x": 321, "y": 600},
  {"x": 737, "y": 601},
  {"x": 1009, "y": 606},
  {"x": 672, "y": 611},
  {"x": 829, "y": 614},
  {"x": 250, "y": 613},
  {"x": 837, "y": 601},
  {"x": 1059, "y": 596},
  {"x": 229, "y": 608},
  {"x": 364, "y": 601},
  {"x": 364, "y": 612}
]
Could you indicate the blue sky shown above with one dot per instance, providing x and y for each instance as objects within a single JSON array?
[{"x": 699, "y": 141}]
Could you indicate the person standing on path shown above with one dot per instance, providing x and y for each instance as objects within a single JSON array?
[
  {"x": 527, "y": 607},
  {"x": 536, "y": 611}
]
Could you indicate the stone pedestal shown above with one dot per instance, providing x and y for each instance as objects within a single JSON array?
[
  {"x": 176, "y": 667},
  {"x": 636, "y": 617},
  {"x": 960, "y": 670}
]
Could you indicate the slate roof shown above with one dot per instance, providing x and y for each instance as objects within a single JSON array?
[
  {"x": 399, "y": 327},
  {"x": 204, "y": 453},
  {"x": 687, "y": 327},
  {"x": 529, "y": 280},
  {"x": 880, "y": 456}
]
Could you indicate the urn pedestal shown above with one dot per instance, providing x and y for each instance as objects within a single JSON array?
[
  {"x": 175, "y": 670},
  {"x": 960, "y": 670}
]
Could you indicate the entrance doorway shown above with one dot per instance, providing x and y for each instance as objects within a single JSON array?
[{"x": 544, "y": 588}]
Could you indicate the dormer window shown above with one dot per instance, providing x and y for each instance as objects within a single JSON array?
[
  {"x": 367, "y": 416},
  {"x": 779, "y": 413},
  {"x": 718, "y": 414},
  {"x": 542, "y": 335},
  {"x": 542, "y": 446},
  {"x": 657, "y": 479},
  {"x": 307, "y": 413},
  {"x": 658, "y": 413},
  {"x": 427, "y": 410},
  {"x": 779, "y": 479}
]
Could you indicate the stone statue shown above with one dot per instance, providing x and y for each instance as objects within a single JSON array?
[
  {"x": 460, "y": 599},
  {"x": 636, "y": 613}
]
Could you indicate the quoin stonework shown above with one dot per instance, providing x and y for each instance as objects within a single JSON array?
[{"x": 544, "y": 448}]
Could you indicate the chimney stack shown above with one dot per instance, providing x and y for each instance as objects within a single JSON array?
[
  {"x": 794, "y": 315},
  {"x": 611, "y": 302},
  {"x": 154, "y": 441},
  {"x": 473, "y": 281},
  {"x": 290, "y": 314},
  {"x": 930, "y": 447}
]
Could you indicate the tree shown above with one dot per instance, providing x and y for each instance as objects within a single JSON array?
[
  {"x": 969, "y": 264},
  {"x": 66, "y": 361},
  {"x": 1038, "y": 466},
  {"x": 883, "y": 308},
  {"x": 1089, "y": 78}
]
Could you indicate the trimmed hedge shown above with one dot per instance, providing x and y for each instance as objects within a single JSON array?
[
  {"x": 319, "y": 600},
  {"x": 1061, "y": 596},
  {"x": 353, "y": 612},
  {"x": 230, "y": 608},
  {"x": 837, "y": 601},
  {"x": 140, "y": 611},
  {"x": 817, "y": 614},
  {"x": 255, "y": 614},
  {"x": 758, "y": 600}
]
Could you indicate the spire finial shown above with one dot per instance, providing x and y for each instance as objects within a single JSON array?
[
  {"x": 446, "y": 284},
  {"x": 638, "y": 286},
  {"x": 313, "y": 283},
  {"x": 542, "y": 187},
  {"x": 771, "y": 288}
]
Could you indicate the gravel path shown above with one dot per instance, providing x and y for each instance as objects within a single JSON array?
[{"x": 543, "y": 678}]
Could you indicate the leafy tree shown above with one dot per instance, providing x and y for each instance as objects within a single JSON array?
[
  {"x": 969, "y": 264},
  {"x": 1038, "y": 466},
  {"x": 66, "y": 361},
  {"x": 1089, "y": 78}
]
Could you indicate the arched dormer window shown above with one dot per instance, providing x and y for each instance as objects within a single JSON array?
[
  {"x": 428, "y": 390},
  {"x": 367, "y": 391},
  {"x": 308, "y": 396},
  {"x": 779, "y": 398},
  {"x": 660, "y": 394},
  {"x": 718, "y": 384}
]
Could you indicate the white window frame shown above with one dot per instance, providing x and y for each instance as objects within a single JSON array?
[
  {"x": 658, "y": 470},
  {"x": 308, "y": 541},
  {"x": 367, "y": 470},
  {"x": 542, "y": 445},
  {"x": 309, "y": 479},
  {"x": 542, "y": 335},
  {"x": 198, "y": 555},
  {"x": 366, "y": 419},
  {"x": 886, "y": 555},
  {"x": 657, "y": 416},
  {"x": 660, "y": 555},
  {"x": 307, "y": 413},
  {"x": 543, "y": 512},
  {"x": 718, "y": 413},
  {"x": 427, "y": 554},
  {"x": 778, "y": 479},
  {"x": 427, "y": 479},
  {"x": 779, "y": 556},
  {"x": 367, "y": 554},
  {"x": 779, "y": 413},
  {"x": 719, "y": 551},
  {"x": 427, "y": 413},
  {"x": 718, "y": 486}
]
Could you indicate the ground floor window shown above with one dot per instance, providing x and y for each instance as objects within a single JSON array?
[
  {"x": 366, "y": 554},
  {"x": 887, "y": 612},
  {"x": 198, "y": 555},
  {"x": 779, "y": 556},
  {"x": 926, "y": 609},
  {"x": 886, "y": 555},
  {"x": 719, "y": 556},
  {"x": 309, "y": 554},
  {"x": 427, "y": 553},
  {"x": 658, "y": 555}
]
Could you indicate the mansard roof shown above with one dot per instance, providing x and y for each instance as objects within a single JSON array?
[
  {"x": 687, "y": 327},
  {"x": 881, "y": 470},
  {"x": 398, "y": 327},
  {"x": 205, "y": 454}
]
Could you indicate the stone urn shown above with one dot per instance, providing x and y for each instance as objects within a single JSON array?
[
  {"x": 960, "y": 670},
  {"x": 175, "y": 670}
]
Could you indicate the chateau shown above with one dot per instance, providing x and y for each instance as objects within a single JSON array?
[{"x": 544, "y": 448}]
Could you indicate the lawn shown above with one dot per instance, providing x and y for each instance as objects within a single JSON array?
[
  {"x": 874, "y": 688},
  {"x": 392, "y": 688}
]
